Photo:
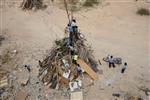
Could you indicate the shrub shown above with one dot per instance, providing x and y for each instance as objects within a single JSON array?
[
  {"x": 143, "y": 11},
  {"x": 1, "y": 39},
  {"x": 90, "y": 3}
]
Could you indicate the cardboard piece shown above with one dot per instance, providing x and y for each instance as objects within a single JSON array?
[
  {"x": 76, "y": 95},
  {"x": 87, "y": 69}
]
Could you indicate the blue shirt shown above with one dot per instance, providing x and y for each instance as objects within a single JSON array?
[{"x": 70, "y": 29}]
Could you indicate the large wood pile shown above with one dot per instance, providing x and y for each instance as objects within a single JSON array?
[
  {"x": 60, "y": 61},
  {"x": 30, "y": 4}
]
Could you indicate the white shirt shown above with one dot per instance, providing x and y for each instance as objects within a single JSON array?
[
  {"x": 73, "y": 24},
  {"x": 125, "y": 66}
]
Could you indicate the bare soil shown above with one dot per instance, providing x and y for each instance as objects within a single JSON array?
[{"x": 113, "y": 27}]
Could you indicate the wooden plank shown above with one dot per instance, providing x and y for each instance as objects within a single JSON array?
[
  {"x": 87, "y": 69},
  {"x": 64, "y": 80},
  {"x": 4, "y": 83}
]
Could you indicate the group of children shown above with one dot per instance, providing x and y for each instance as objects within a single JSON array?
[{"x": 112, "y": 64}]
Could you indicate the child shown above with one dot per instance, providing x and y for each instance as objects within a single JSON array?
[
  {"x": 124, "y": 67},
  {"x": 111, "y": 62}
]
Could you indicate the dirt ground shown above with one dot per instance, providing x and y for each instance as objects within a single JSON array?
[{"x": 113, "y": 27}]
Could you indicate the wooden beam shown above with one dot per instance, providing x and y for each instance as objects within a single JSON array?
[{"x": 87, "y": 69}]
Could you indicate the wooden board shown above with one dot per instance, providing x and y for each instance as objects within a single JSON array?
[
  {"x": 3, "y": 83},
  {"x": 64, "y": 80},
  {"x": 87, "y": 69}
]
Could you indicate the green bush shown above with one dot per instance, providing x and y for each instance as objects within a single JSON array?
[
  {"x": 143, "y": 11},
  {"x": 90, "y": 3}
]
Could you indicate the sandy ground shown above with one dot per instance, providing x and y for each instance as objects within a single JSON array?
[{"x": 112, "y": 28}]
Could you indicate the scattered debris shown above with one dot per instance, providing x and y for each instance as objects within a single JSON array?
[
  {"x": 7, "y": 56},
  {"x": 14, "y": 51},
  {"x": 145, "y": 90},
  {"x": 99, "y": 62},
  {"x": 131, "y": 96},
  {"x": 6, "y": 86}
]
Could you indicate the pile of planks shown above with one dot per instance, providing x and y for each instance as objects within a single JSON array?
[
  {"x": 30, "y": 4},
  {"x": 57, "y": 70}
]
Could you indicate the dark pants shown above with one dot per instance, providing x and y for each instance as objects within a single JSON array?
[
  {"x": 111, "y": 64},
  {"x": 123, "y": 69},
  {"x": 79, "y": 72},
  {"x": 75, "y": 29},
  {"x": 71, "y": 39},
  {"x": 74, "y": 61}
]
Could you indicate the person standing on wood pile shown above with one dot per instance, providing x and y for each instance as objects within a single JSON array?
[
  {"x": 74, "y": 25},
  {"x": 79, "y": 70},
  {"x": 72, "y": 29},
  {"x": 75, "y": 58},
  {"x": 125, "y": 66},
  {"x": 111, "y": 62},
  {"x": 69, "y": 34},
  {"x": 75, "y": 28}
]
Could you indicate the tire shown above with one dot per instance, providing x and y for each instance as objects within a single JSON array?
[{"x": 118, "y": 61}]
